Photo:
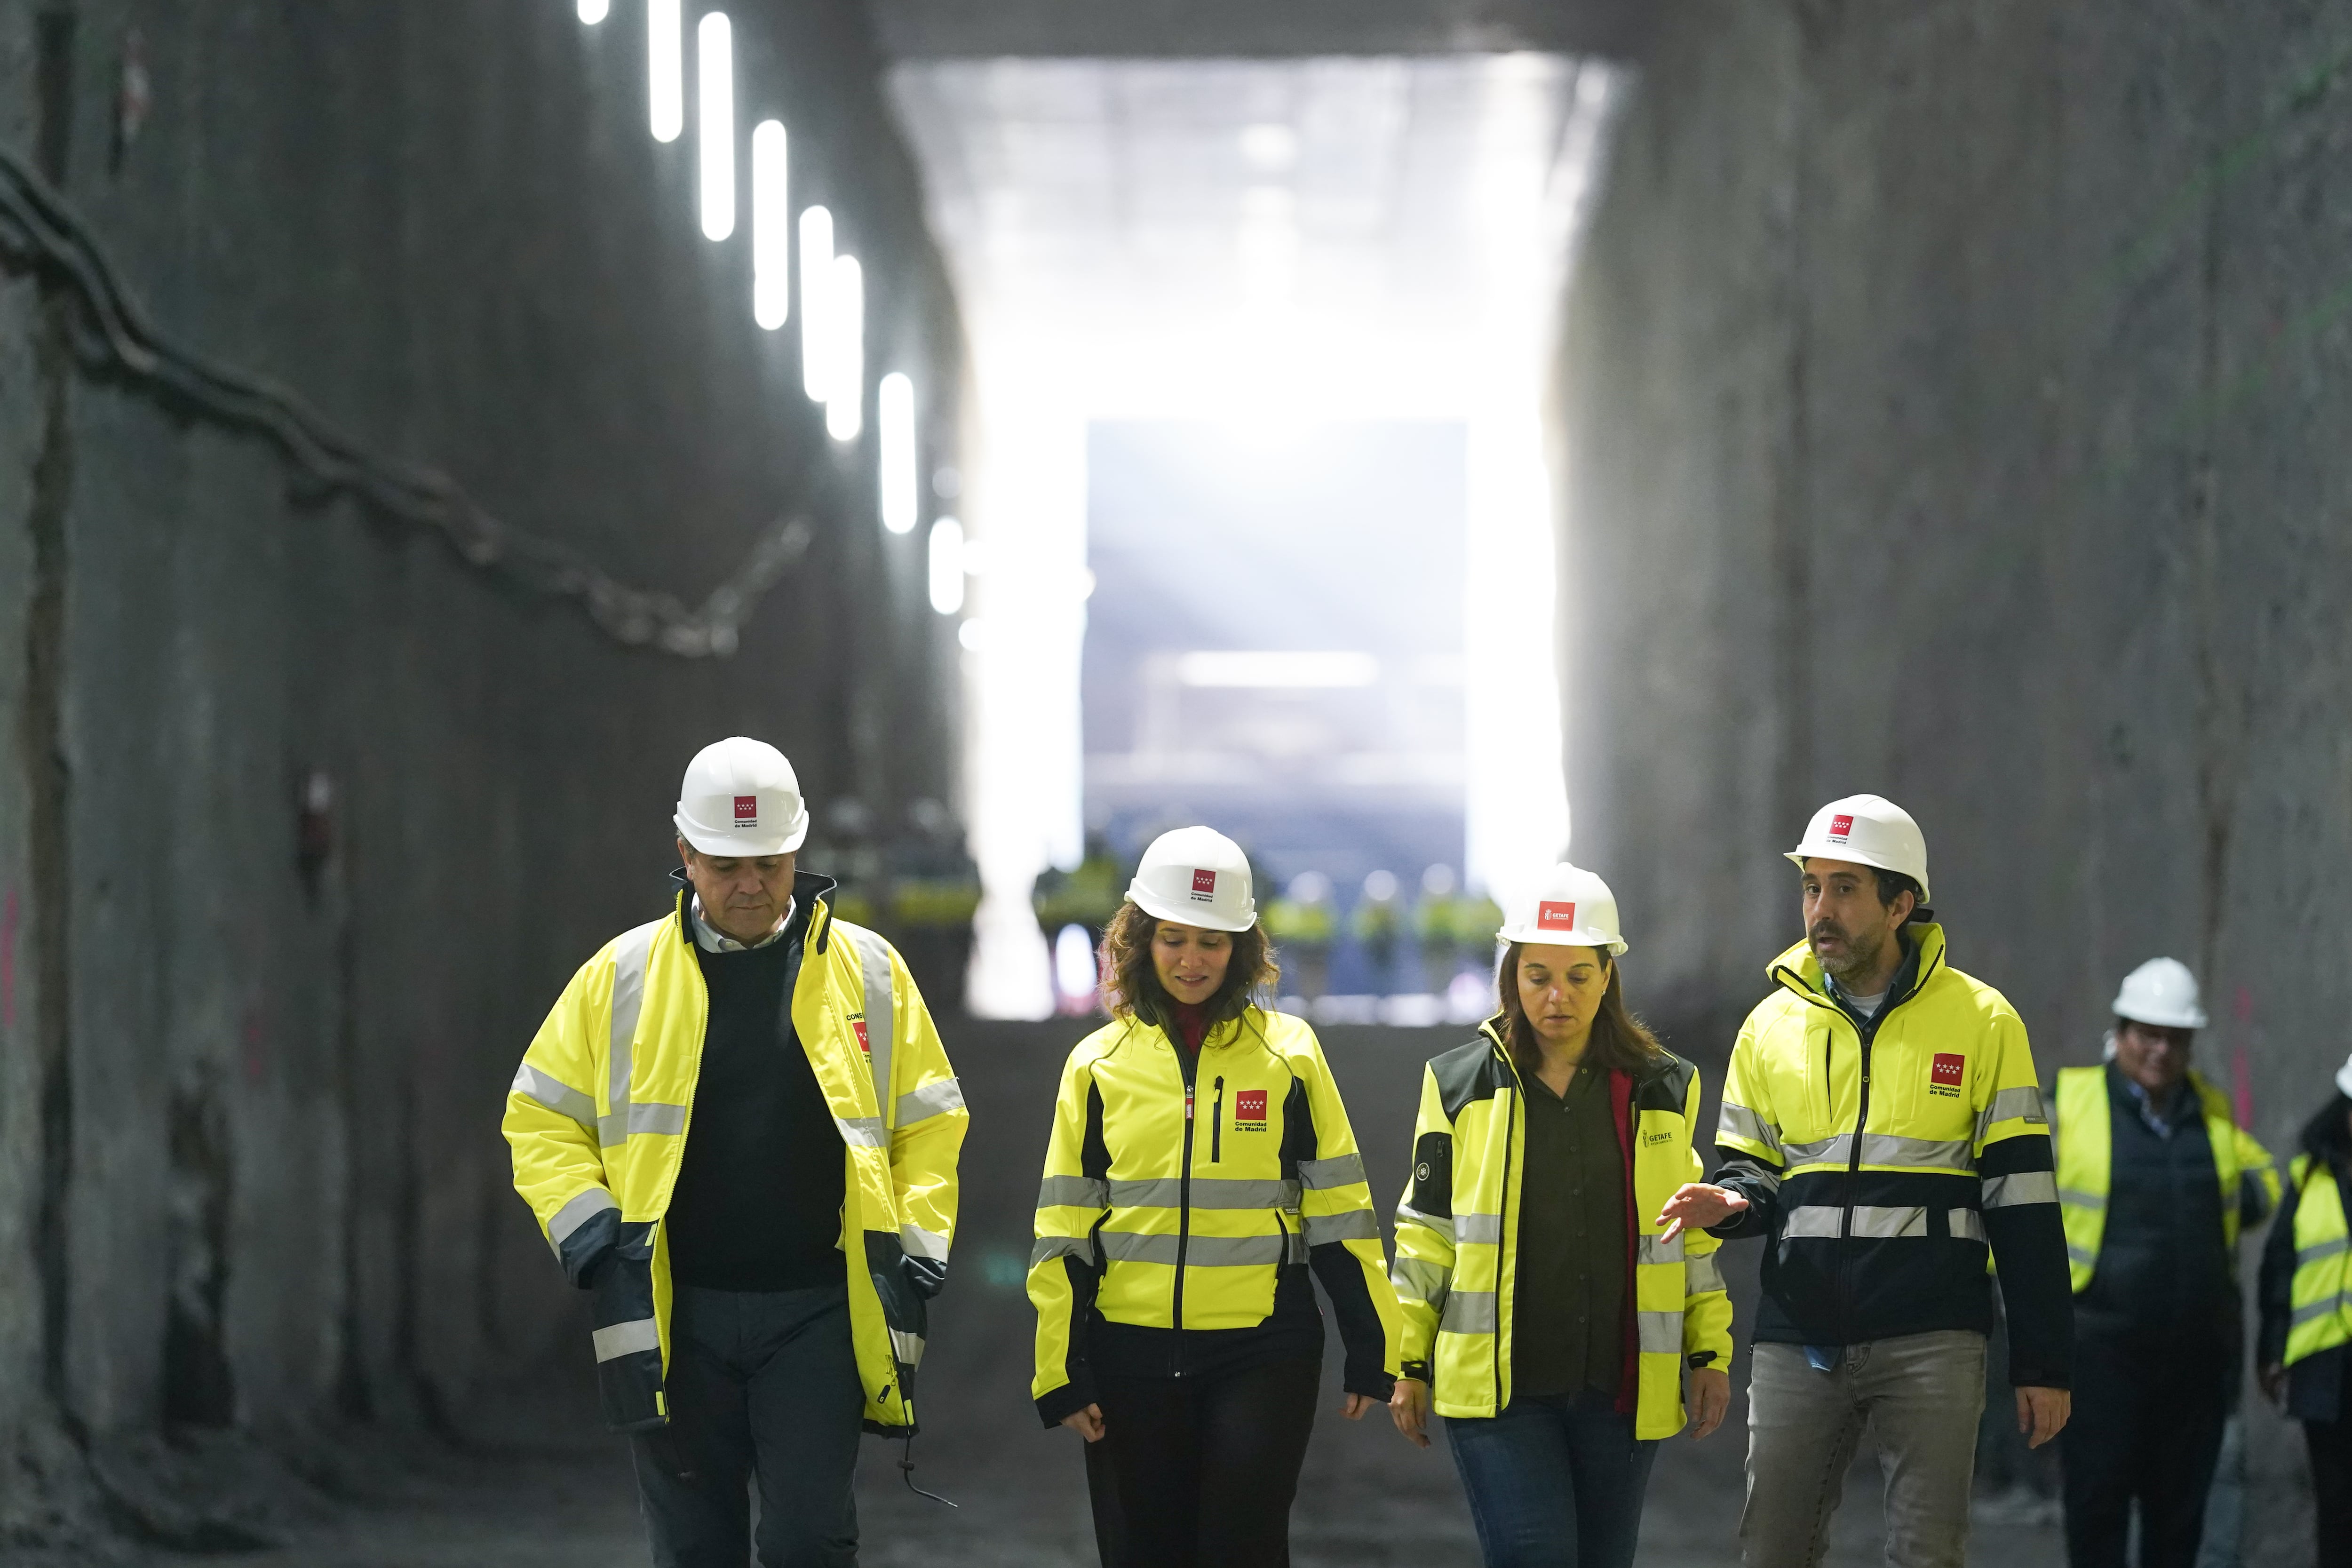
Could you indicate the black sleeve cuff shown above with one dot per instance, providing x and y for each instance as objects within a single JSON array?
[
  {"x": 2023, "y": 1376},
  {"x": 1068, "y": 1399},
  {"x": 1373, "y": 1383}
]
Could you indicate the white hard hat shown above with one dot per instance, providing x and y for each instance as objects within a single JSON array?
[
  {"x": 1869, "y": 830},
  {"x": 740, "y": 798},
  {"x": 1195, "y": 877},
  {"x": 2344, "y": 1078},
  {"x": 1570, "y": 908},
  {"x": 2163, "y": 993}
]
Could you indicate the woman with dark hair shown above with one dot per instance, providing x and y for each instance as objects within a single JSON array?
[
  {"x": 2305, "y": 1354},
  {"x": 1549, "y": 1317},
  {"x": 1200, "y": 1167}
]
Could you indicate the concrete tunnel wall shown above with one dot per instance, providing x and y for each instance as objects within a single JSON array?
[
  {"x": 249, "y": 1166},
  {"x": 1953, "y": 401}
]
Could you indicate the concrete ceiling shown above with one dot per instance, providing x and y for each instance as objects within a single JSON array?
[{"x": 1237, "y": 29}]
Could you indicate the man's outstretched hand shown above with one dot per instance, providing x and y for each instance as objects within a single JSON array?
[{"x": 1696, "y": 1208}]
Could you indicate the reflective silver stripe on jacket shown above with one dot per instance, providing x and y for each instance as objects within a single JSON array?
[
  {"x": 917, "y": 1242},
  {"x": 934, "y": 1099},
  {"x": 2304, "y": 1314},
  {"x": 554, "y": 1095},
  {"x": 2075, "y": 1197},
  {"x": 1442, "y": 1224},
  {"x": 1966, "y": 1225},
  {"x": 2083, "y": 1256},
  {"x": 1738, "y": 1122},
  {"x": 1468, "y": 1313},
  {"x": 1872, "y": 1223},
  {"x": 630, "y": 954},
  {"x": 628, "y": 1339},
  {"x": 863, "y": 1132},
  {"x": 1200, "y": 1251},
  {"x": 1660, "y": 1333},
  {"x": 1354, "y": 1225},
  {"x": 1886, "y": 1148},
  {"x": 1051, "y": 1246},
  {"x": 2319, "y": 1249},
  {"x": 2021, "y": 1104},
  {"x": 647, "y": 1117},
  {"x": 1650, "y": 1249},
  {"x": 1478, "y": 1227},
  {"x": 1418, "y": 1279},
  {"x": 1340, "y": 1171},
  {"x": 577, "y": 1213},
  {"x": 1208, "y": 1193},
  {"x": 1074, "y": 1192},
  {"x": 874, "y": 967},
  {"x": 1701, "y": 1274},
  {"x": 2024, "y": 1187}
]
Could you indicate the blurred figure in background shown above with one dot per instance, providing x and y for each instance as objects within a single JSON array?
[
  {"x": 2306, "y": 1351},
  {"x": 1378, "y": 925},
  {"x": 1541, "y": 1149},
  {"x": 1438, "y": 930},
  {"x": 2155, "y": 1182},
  {"x": 934, "y": 890},
  {"x": 1201, "y": 1169},
  {"x": 1303, "y": 927}
]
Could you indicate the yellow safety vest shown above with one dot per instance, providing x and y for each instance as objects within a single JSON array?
[
  {"x": 601, "y": 1107},
  {"x": 1457, "y": 1234},
  {"x": 2086, "y": 1163},
  {"x": 1184, "y": 1204},
  {"x": 2321, "y": 1313}
]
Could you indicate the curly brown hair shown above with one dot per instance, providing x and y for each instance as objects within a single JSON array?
[
  {"x": 1620, "y": 1040},
  {"x": 1131, "y": 988}
]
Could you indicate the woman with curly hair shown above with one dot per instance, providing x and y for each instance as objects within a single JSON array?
[{"x": 1201, "y": 1168}]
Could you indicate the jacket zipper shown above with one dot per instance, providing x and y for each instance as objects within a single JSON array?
[
  {"x": 1183, "y": 1205},
  {"x": 1217, "y": 1124},
  {"x": 1502, "y": 1215},
  {"x": 1865, "y": 1032}
]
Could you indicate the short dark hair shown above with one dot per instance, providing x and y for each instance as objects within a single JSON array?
[{"x": 1890, "y": 883}]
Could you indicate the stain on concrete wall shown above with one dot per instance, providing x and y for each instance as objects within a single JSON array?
[
  {"x": 303, "y": 821},
  {"x": 1953, "y": 396}
]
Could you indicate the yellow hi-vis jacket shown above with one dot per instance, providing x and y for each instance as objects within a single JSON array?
[
  {"x": 602, "y": 1106},
  {"x": 2086, "y": 1161},
  {"x": 1884, "y": 1157},
  {"x": 1170, "y": 1204},
  {"x": 1457, "y": 1234},
  {"x": 2320, "y": 1309}
]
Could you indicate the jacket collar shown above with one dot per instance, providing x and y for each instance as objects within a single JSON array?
[
  {"x": 1800, "y": 972},
  {"x": 811, "y": 893}
]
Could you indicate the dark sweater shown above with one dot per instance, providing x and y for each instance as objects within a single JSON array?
[{"x": 760, "y": 1190}]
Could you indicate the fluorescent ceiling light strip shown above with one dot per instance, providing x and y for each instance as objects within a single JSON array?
[
  {"x": 665, "y": 68},
  {"x": 715, "y": 123},
  {"x": 771, "y": 225},
  {"x": 816, "y": 319},
  {"x": 1277, "y": 670},
  {"x": 895, "y": 417}
]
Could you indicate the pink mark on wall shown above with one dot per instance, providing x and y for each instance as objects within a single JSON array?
[
  {"x": 9, "y": 961},
  {"x": 2241, "y": 1066}
]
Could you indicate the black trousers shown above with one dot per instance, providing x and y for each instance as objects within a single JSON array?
[
  {"x": 2147, "y": 1429},
  {"x": 2331, "y": 1485},
  {"x": 760, "y": 1384},
  {"x": 1206, "y": 1468}
]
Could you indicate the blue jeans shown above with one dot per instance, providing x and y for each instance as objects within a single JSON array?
[{"x": 1554, "y": 1481}]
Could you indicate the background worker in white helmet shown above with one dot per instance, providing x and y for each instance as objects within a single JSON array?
[
  {"x": 1881, "y": 1128},
  {"x": 738, "y": 1128},
  {"x": 1200, "y": 1167},
  {"x": 2306, "y": 1291},
  {"x": 2155, "y": 1180},
  {"x": 1546, "y": 1318}
]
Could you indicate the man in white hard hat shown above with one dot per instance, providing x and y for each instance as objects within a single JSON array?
[
  {"x": 1883, "y": 1130},
  {"x": 738, "y": 1129},
  {"x": 2156, "y": 1180}
]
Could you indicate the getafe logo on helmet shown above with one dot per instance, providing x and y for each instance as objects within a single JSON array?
[
  {"x": 1553, "y": 916},
  {"x": 1204, "y": 886},
  {"x": 747, "y": 811}
]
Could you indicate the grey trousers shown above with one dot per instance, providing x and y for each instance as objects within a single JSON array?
[
  {"x": 1920, "y": 1395},
  {"x": 765, "y": 1385}
]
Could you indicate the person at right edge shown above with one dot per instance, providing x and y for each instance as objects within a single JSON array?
[
  {"x": 2306, "y": 1291},
  {"x": 1881, "y": 1126},
  {"x": 2155, "y": 1180}
]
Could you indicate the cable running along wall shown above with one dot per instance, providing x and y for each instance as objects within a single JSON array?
[{"x": 38, "y": 229}]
